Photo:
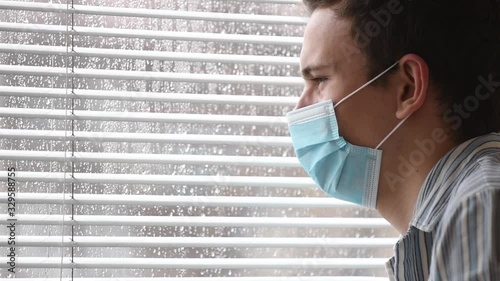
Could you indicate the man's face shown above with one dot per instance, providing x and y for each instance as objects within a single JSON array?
[{"x": 333, "y": 67}]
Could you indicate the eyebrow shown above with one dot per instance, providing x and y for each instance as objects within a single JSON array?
[{"x": 306, "y": 71}]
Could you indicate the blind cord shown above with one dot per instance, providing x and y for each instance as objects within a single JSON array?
[
  {"x": 69, "y": 43},
  {"x": 65, "y": 142},
  {"x": 73, "y": 146}
]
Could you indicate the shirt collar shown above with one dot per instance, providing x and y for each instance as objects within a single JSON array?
[{"x": 444, "y": 176}]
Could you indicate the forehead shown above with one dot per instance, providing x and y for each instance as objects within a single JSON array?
[{"x": 326, "y": 38}]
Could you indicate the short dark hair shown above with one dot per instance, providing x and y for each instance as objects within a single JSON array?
[{"x": 458, "y": 39}]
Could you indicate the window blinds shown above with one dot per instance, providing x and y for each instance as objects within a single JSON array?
[{"x": 149, "y": 143}]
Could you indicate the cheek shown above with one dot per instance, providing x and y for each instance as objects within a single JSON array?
[
  {"x": 319, "y": 91},
  {"x": 332, "y": 90},
  {"x": 322, "y": 91},
  {"x": 361, "y": 120},
  {"x": 310, "y": 95}
]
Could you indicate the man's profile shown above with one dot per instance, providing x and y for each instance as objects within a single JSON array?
[{"x": 401, "y": 113}]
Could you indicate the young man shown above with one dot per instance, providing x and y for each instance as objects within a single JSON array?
[{"x": 399, "y": 113}]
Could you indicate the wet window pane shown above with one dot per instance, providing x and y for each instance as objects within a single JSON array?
[{"x": 148, "y": 139}]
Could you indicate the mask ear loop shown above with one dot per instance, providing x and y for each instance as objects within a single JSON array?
[
  {"x": 392, "y": 132},
  {"x": 365, "y": 85}
]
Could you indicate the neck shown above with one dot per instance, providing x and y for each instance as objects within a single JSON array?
[{"x": 403, "y": 173}]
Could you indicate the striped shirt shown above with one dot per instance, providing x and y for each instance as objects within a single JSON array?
[{"x": 454, "y": 232}]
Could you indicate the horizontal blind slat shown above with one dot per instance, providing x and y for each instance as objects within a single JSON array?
[
  {"x": 152, "y": 13},
  {"x": 236, "y": 242},
  {"x": 149, "y": 138},
  {"x": 177, "y": 200},
  {"x": 147, "y": 96},
  {"x": 150, "y": 158},
  {"x": 270, "y": 278},
  {"x": 240, "y": 181},
  {"x": 127, "y": 116},
  {"x": 148, "y": 55},
  {"x": 149, "y": 75},
  {"x": 274, "y": 222},
  {"x": 243, "y": 263},
  {"x": 151, "y": 34}
]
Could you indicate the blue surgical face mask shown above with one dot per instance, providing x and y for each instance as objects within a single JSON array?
[{"x": 343, "y": 170}]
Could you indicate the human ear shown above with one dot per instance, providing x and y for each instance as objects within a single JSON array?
[{"x": 413, "y": 83}]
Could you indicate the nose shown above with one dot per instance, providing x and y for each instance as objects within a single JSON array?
[{"x": 305, "y": 99}]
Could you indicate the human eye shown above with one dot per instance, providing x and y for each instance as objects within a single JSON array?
[{"x": 319, "y": 79}]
